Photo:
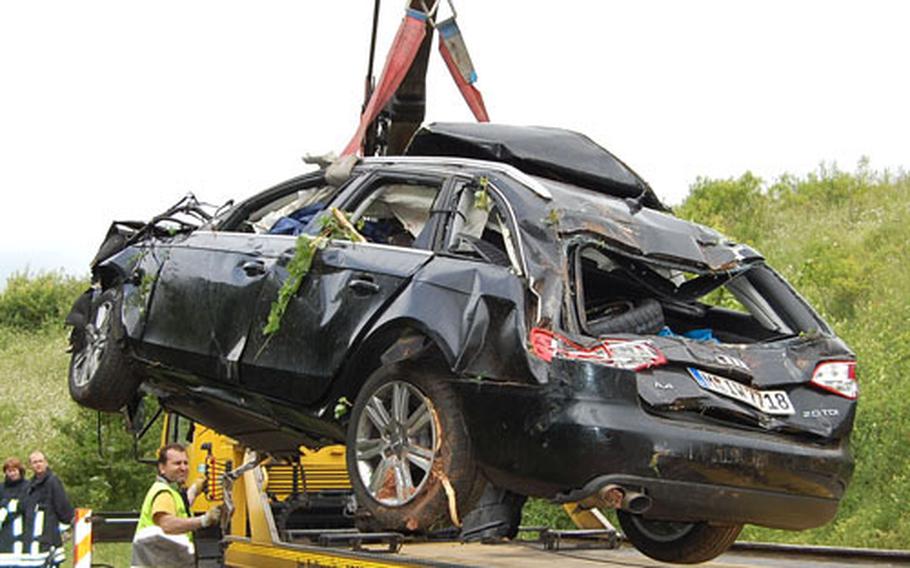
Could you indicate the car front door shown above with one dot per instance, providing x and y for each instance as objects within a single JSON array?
[
  {"x": 202, "y": 303},
  {"x": 343, "y": 291}
]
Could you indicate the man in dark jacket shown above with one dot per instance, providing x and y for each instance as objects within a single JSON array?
[{"x": 47, "y": 508}]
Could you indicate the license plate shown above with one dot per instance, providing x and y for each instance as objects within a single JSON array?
[{"x": 770, "y": 402}]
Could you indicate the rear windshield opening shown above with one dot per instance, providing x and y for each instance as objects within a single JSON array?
[{"x": 620, "y": 295}]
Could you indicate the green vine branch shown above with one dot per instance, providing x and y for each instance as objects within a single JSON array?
[{"x": 334, "y": 226}]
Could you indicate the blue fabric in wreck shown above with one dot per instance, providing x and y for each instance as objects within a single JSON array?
[
  {"x": 296, "y": 223},
  {"x": 696, "y": 334}
]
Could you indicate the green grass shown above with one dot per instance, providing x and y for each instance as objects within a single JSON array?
[
  {"x": 540, "y": 513},
  {"x": 33, "y": 368},
  {"x": 114, "y": 554}
]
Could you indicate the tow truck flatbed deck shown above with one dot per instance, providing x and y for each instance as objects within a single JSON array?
[{"x": 243, "y": 553}]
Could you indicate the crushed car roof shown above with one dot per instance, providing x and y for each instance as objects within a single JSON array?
[
  {"x": 552, "y": 153},
  {"x": 653, "y": 234}
]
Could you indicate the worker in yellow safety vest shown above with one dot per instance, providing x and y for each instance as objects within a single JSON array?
[{"x": 164, "y": 535}]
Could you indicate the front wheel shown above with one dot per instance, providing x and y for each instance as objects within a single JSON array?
[
  {"x": 682, "y": 543},
  {"x": 100, "y": 374},
  {"x": 409, "y": 453}
]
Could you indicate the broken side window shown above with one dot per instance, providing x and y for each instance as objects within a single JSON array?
[
  {"x": 478, "y": 229},
  {"x": 287, "y": 210},
  {"x": 291, "y": 214},
  {"x": 395, "y": 213},
  {"x": 616, "y": 294}
]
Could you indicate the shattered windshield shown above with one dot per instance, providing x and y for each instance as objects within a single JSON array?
[{"x": 751, "y": 303}]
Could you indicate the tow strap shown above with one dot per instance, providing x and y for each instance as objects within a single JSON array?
[
  {"x": 455, "y": 53},
  {"x": 401, "y": 55}
]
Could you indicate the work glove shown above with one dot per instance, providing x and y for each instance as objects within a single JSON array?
[{"x": 211, "y": 516}]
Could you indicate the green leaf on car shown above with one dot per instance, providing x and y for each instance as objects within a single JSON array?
[
  {"x": 334, "y": 226},
  {"x": 481, "y": 195},
  {"x": 341, "y": 407}
]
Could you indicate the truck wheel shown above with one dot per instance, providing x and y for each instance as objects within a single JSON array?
[
  {"x": 406, "y": 443},
  {"x": 100, "y": 374},
  {"x": 682, "y": 543}
]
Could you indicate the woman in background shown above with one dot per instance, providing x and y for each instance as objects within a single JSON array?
[{"x": 12, "y": 512}]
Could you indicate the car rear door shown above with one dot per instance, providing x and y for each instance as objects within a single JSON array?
[{"x": 346, "y": 287}]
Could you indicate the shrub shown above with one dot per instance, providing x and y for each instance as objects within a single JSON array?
[
  {"x": 736, "y": 207},
  {"x": 106, "y": 477},
  {"x": 32, "y": 301},
  {"x": 841, "y": 239}
]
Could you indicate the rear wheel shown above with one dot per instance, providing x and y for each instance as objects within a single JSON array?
[
  {"x": 408, "y": 452},
  {"x": 682, "y": 543},
  {"x": 100, "y": 374}
]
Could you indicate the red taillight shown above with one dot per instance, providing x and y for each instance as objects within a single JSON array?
[
  {"x": 838, "y": 377},
  {"x": 634, "y": 354}
]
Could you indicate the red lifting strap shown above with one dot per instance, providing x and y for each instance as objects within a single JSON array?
[
  {"x": 455, "y": 53},
  {"x": 401, "y": 55}
]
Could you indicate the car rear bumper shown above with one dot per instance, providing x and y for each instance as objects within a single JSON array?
[
  {"x": 721, "y": 504},
  {"x": 565, "y": 441}
]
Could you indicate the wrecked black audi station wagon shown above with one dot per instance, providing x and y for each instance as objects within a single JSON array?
[{"x": 509, "y": 308}]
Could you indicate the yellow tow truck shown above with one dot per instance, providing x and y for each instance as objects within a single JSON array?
[{"x": 297, "y": 512}]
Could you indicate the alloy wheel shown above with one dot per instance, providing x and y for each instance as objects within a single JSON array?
[
  {"x": 88, "y": 359},
  {"x": 396, "y": 443}
]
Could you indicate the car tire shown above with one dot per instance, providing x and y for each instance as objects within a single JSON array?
[
  {"x": 645, "y": 317},
  {"x": 100, "y": 374},
  {"x": 681, "y": 543},
  {"x": 409, "y": 453}
]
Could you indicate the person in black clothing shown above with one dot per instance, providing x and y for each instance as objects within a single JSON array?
[
  {"x": 47, "y": 508},
  {"x": 12, "y": 523}
]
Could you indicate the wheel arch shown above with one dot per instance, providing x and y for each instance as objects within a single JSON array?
[
  {"x": 401, "y": 339},
  {"x": 108, "y": 275},
  {"x": 104, "y": 276}
]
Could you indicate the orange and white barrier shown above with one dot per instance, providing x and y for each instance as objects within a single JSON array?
[{"x": 82, "y": 539}]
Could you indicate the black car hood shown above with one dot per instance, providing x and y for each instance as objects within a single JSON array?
[{"x": 552, "y": 153}]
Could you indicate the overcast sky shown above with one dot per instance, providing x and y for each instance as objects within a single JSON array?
[{"x": 115, "y": 109}]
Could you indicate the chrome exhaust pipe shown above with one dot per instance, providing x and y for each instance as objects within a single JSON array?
[
  {"x": 635, "y": 502},
  {"x": 614, "y": 496}
]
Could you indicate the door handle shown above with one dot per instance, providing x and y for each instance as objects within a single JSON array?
[
  {"x": 363, "y": 284},
  {"x": 253, "y": 267}
]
